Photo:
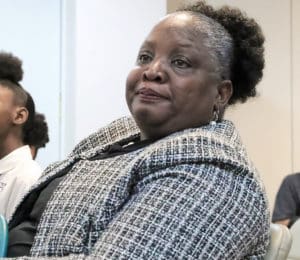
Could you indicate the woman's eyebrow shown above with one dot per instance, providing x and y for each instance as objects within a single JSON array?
[
  {"x": 186, "y": 45},
  {"x": 150, "y": 44}
]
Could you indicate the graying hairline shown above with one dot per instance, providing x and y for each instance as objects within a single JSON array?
[{"x": 217, "y": 39}]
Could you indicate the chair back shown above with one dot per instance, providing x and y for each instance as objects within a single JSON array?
[
  {"x": 3, "y": 236},
  {"x": 280, "y": 243},
  {"x": 295, "y": 249}
]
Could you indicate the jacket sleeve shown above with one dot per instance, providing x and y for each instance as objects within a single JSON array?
[{"x": 188, "y": 212}]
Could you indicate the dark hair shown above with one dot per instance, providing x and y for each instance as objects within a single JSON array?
[
  {"x": 247, "y": 56},
  {"x": 11, "y": 73},
  {"x": 38, "y": 136}
]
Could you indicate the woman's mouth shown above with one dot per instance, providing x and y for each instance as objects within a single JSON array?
[{"x": 147, "y": 94}]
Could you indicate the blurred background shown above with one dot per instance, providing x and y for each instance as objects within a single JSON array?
[{"x": 77, "y": 53}]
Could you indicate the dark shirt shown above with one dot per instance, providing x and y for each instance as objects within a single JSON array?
[
  {"x": 23, "y": 226},
  {"x": 287, "y": 204},
  {"x": 21, "y": 236}
]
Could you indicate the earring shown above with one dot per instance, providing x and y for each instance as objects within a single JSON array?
[{"x": 215, "y": 116}]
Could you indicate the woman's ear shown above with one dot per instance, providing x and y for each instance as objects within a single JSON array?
[
  {"x": 224, "y": 93},
  {"x": 20, "y": 115}
]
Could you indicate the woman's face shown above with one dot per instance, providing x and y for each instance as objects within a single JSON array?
[{"x": 174, "y": 85}]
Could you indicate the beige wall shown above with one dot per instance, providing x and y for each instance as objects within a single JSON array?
[
  {"x": 269, "y": 124},
  {"x": 296, "y": 82}
]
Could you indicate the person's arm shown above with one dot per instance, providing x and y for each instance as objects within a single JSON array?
[
  {"x": 195, "y": 212},
  {"x": 285, "y": 210},
  {"x": 283, "y": 221}
]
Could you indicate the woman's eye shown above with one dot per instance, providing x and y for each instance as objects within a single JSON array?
[
  {"x": 180, "y": 63},
  {"x": 144, "y": 59}
]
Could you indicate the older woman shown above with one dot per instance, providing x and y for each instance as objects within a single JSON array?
[{"x": 175, "y": 181}]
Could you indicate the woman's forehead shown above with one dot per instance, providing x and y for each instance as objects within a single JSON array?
[
  {"x": 182, "y": 24},
  {"x": 177, "y": 20}
]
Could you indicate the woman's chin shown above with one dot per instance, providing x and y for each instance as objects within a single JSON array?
[{"x": 147, "y": 117}]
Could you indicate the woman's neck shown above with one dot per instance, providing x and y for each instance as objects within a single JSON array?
[{"x": 8, "y": 145}]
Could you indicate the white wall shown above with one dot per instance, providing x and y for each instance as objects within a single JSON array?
[
  {"x": 76, "y": 57},
  {"x": 108, "y": 35},
  {"x": 31, "y": 30}
]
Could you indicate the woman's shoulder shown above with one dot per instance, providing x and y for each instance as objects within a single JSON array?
[
  {"x": 218, "y": 143},
  {"x": 120, "y": 129},
  {"x": 213, "y": 145}
]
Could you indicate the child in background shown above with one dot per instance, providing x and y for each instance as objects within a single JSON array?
[{"x": 18, "y": 170}]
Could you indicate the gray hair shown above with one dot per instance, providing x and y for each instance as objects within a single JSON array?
[{"x": 217, "y": 39}]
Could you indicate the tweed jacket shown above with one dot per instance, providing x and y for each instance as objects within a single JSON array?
[{"x": 191, "y": 195}]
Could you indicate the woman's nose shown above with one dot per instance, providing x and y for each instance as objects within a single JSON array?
[{"x": 155, "y": 72}]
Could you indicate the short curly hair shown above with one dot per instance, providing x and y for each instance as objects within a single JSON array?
[
  {"x": 38, "y": 136},
  {"x": 241, "y": 58}
]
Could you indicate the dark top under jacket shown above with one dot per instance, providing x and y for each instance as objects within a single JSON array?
[
  {"x": 287, "y": 205},
  {"x": 23, "y": 229}
]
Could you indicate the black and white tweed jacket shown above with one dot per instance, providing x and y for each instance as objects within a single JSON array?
[{"x": 191, "y": 195}]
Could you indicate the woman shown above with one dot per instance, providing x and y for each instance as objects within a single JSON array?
[
  {"x": 175, "y": 182},
  {"x": 18, "y": 172}
]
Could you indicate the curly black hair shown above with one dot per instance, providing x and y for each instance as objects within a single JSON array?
[
  {"x": 10, "y": 68},
  {"x": 38, "y": 136},
  {"x": 11, "y": 73},
  {"x": 247, "y": 58}
]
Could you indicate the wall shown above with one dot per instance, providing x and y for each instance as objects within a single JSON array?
[
  {"x": 31, "y": 30},
  {"x": 295, "y": 59},
  {"x": 76, "y": 57},
  {"x": 108, "y": 36},
  {"x": 269, "y": 123}
]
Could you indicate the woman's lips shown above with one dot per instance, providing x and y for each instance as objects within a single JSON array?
[{"x": 149, "y": 94}]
